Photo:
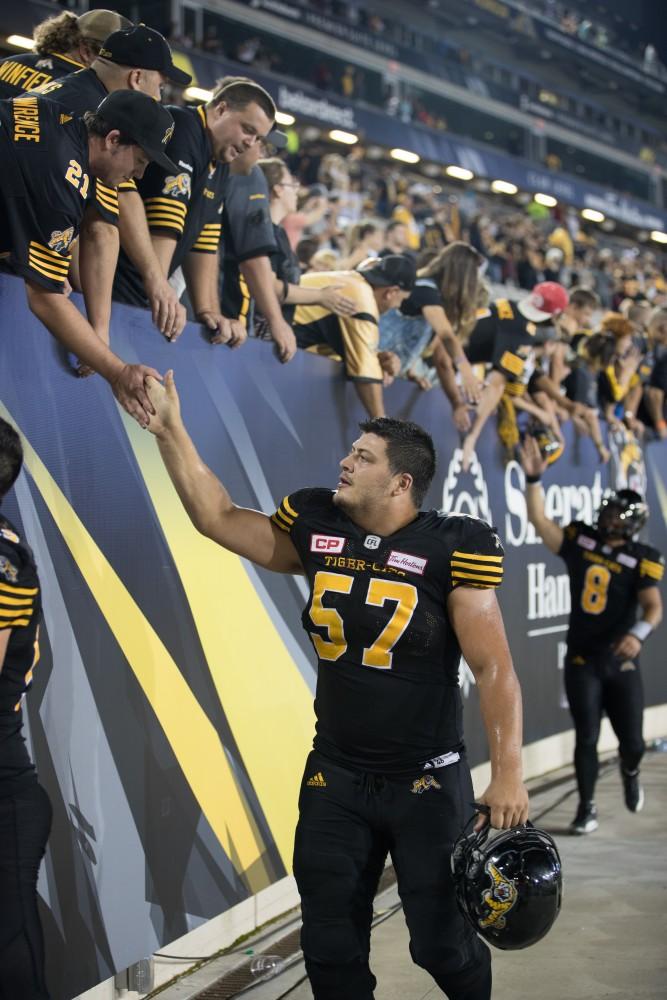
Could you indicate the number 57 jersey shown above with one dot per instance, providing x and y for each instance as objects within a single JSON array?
[{"x": 388, "y": 659}]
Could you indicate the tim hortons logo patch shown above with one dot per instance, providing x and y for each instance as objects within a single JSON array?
[
  {"x": 327, "y": 543},
  {"x": 412, "y": 564}
]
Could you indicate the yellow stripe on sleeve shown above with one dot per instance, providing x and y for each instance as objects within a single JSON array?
[{"x": 28, "y": 591}]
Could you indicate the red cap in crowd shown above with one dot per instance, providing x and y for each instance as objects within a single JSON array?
[{"x": 548, "y": 299}]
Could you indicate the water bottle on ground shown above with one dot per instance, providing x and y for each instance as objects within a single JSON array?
[{"x": 266, "y": 966}]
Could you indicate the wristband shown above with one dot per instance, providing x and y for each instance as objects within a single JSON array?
[
  {"x": 531, "y": 480},
  {"x": 641, "y": 630}
]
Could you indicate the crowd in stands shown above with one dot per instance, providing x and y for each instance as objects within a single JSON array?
[{"x": 511, "y": 310}]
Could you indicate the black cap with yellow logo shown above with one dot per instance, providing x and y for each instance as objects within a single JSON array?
[
  {"x": 143, "y": 48},
  {"x": 143, "y": 120}
]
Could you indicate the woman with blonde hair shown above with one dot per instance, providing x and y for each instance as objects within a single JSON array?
[{"x": 433, "y": 324}]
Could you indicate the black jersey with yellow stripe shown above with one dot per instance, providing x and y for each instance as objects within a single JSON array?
[
  {"x": 387, "y": 690},
  {"x": 185, "y": 206},
  {"x": 45, "y": 183},
  {"x": 28, "y": 70},
  {"x": 78, "y": 93},
  {"x": 501, "y": 338},
  {"x": 604, "y": 584},
  {"x": 20, "y": 610}
]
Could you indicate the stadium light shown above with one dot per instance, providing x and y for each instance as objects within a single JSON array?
[
  {"x": 504, "y": 187},
  {"x": 284, "y": 119},
  {"x": 658, "y": 237},
  {"x": 404, "y": 155},
  {"x": 461, "y": 173},
  {"x": 20, "y": 41},
  {"x": 592, "y": 215},
  {"x": 547, "y": 200},
  {"x": 348, "y": 138},
  {"x": 197, "y": 94}
]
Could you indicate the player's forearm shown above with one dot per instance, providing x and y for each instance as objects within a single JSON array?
[
  {"x": 98, "y": 257},
  {"x": 203, "y": 496},
  {"x": 550, "y": 532},
  {"x": 68, "y": 326},
  {"x": 372, "y": 397},
  {"x": 261, "y": 285},
  {"x": 501, "y": 709},
  {"x": 136, "y": 240}
]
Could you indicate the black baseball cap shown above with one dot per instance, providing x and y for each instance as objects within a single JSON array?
[
  {"x": 394, "y": 269},
  {"x": 143, "y": 120},
  {"x": 143, "y": 48}
]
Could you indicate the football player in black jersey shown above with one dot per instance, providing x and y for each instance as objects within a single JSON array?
[
  {"x": 396, "y": 596},
  {"x": 612, "y": 576},
  {"x": 25, "y": 809}
]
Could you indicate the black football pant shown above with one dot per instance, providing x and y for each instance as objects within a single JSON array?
[
  {"x": 25, "y": 822},
  {"x": 608, "y": 684},
  {"x": 346, "y": 828}
]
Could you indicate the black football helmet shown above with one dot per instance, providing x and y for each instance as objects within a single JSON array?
[
  {"x": 622, "y": 513},
  {"x": 510, "y": 888},
  {"x": 550, "y": 447}
]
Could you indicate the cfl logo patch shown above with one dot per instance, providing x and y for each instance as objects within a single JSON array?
[{"x": 327, "y": 543}]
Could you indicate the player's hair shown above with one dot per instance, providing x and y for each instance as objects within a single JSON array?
[
  {"x": 11, "y": 457},
  {"x": 274, "y": 170},
  {"x": 455, "y": 270},
  {"x": 97, "y": 125},
  {"x": 409, "y": 449},
  {"x": 59, "y": 34},
  {"x": 240, "y": 91}
]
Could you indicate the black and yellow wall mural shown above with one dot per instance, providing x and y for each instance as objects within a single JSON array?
[{"x": 172, "y": 707}]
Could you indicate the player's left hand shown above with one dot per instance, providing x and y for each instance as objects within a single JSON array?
[
  {"x": 169, "y": 316},
  {"x": 628, "y": 646},
  {"x": 507, "y": 798}
]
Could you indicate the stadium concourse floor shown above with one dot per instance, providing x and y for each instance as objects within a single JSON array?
[{"x": 610, "y": 939}]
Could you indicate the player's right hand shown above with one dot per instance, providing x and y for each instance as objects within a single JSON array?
[
  {"x": 165, "y": 403},
  {"x": 130, "y": 390},
  {"x": 285, "y": 341}
]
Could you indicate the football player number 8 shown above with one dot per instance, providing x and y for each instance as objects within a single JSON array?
[
  {"x": 379, "y": 592},
  {"x": 596, "y": 585},
  {"x": 75, "y": 175}
]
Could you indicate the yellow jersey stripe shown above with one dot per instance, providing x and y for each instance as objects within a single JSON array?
[
  {"x": 9, "y": 588},
  {"x": 12, "y": 612},
  {"x": 15, "y": 602},
  {"x": 55, "y": 265},
  {"x": 177, "y": 206},
  {"x": 15, "y": 623},
  {"x": 39, "y": 248},
  {"x": 60, "y": 271},
  {"x": 289, "y": 509},
  {"x": 160, "y": 222},
  {"x": 274, "y": 518},
  {"x": 475, "y": 576},
  {"x": 47, "y": 274},
  {"x": 476, "y": 557}
]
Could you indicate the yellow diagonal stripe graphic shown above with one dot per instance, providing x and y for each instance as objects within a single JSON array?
[
  {"x": 192, "y": 737},
  {"x": 266, "y": 701}
]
